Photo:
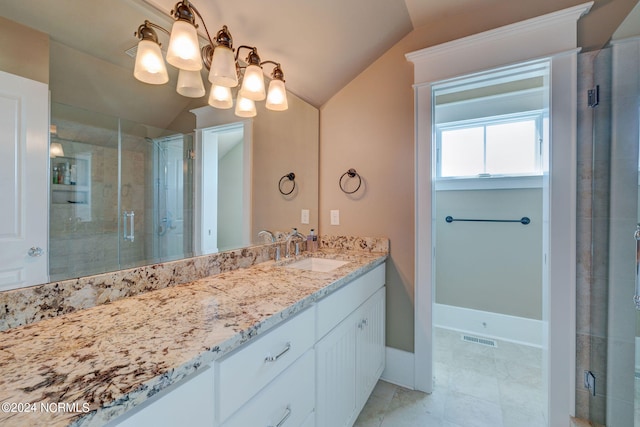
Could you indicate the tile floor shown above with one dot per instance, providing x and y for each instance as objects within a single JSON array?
[{"x": 475, "y": 386}]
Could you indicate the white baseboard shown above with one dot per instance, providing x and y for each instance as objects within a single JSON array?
[
  {"x": 486, "y": 324},
  {"x": 398, "y": 369}
]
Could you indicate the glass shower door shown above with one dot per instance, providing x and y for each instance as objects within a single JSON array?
[
  {"x": 172, "y": 230},
  {"x": 83, "y": 209},
  {"x": 155, "y": 195},
  {"x": 121, "y": 194}
]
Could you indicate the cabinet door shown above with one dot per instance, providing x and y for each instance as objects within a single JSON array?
[
  {"x": 189, "y": 402},
  {"x": 370, "y": 345},
  {"x": 335, "y": 376}
]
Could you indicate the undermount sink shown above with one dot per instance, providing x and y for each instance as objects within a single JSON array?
[{"x": 322, "y": 265}]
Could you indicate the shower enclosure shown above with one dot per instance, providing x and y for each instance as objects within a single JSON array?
[
  {"x": 608, "y": 321},
  {"x": 623, "y": 357},
  {"x": 120, "y": 194}
]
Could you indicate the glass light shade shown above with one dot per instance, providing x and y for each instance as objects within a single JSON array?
[
  {"x": 253, "y": 84},
  {"x": 277, "y": 97},
  {"x": 220, "y": 97},
  {"x": 223, "y": 67},
  {"x": 245, "y": 107},
  {"x": 190, "y": 84},
  {"x": 55, "y": 150},
  {"x": 184, "y": 50},
  {"x": 150, "y": 67}
]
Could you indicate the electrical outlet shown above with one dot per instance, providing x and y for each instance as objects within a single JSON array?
[
  {"x": 590, "y": 382},
  {"x": 304, "y": 216},
  {"x": 335, "y": 217}
]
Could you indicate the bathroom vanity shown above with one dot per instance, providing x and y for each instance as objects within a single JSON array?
[{"x": 264, "y": 345}]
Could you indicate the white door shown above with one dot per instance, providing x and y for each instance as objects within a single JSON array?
[{"x": 24, "y": 165}]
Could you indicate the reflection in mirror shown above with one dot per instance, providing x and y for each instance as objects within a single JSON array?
[
  {"x": 132, "y": 150},
  {"x": 120, "y": 194}
]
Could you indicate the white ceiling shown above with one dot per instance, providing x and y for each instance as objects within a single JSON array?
[{"x": 322, "y": 45}]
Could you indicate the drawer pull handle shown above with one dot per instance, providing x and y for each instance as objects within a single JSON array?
[
  {"x": 279, "y": 355},
  {"x": 363, "y": 323},
  {"x": 287, "y": 414}
]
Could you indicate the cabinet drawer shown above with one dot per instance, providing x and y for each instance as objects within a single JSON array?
[
  {"x": 337, "y": 306},
  {"x": 287, "y": 401},
  {"x": 244, "y": 372}
]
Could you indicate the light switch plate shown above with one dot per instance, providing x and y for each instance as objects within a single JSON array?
[
  {"x": 304, "y": 216},
  {"x": 335, "y": 217}
]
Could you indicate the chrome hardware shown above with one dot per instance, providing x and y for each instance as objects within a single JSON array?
[
  {"x": 35, "y": 252},
  {"x": 363, "y": 323},
  {"x": 128, "y": 234},
  {"x": 287, "y": 414},
  {"x": 295, "y": 234},
  {"x": 279, "y": 355}
]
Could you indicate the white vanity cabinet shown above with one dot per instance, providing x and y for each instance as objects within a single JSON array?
[
  {"x": 315, "y": 369},
  {"x": 350, "y": 356}
]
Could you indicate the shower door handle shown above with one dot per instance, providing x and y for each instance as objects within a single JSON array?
[
  {"x": 129, "y": 232},
  {"x": 636, "y": 297}
]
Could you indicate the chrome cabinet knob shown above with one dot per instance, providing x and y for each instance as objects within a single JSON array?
[{"x": 35, "y": 252}]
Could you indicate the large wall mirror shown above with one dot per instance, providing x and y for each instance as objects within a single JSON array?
[{"x": 143, "y": 174}]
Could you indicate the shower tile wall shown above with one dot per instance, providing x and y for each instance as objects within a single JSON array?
[
  {"x": 593, "y": 151},
  {"x": 81, "y": 242}
]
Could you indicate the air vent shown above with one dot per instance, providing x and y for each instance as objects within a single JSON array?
[
  {"x": 477, "y": 340},
  {"x": 132, "y": 50}
]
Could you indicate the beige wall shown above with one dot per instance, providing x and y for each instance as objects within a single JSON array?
[
  {"x": 24, "y": 51},
  {"x": 230, "y": 174},
  {"x": 283, "y": 142},
  {"x": 495, "y": 267}
]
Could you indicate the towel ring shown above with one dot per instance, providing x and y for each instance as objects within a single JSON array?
[
  {"x": 291, "y": 177},
  {"x": 352, "y": 174}
]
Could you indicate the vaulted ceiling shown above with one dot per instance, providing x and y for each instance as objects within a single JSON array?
[{"x": 322, "y": 45}]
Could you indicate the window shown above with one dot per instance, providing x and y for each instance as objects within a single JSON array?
[{"x": 496, "y": 146}]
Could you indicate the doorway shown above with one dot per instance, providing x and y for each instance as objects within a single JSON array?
[
  {"x": 552, "y": 38},
  {"x": 223, "y": 219},
  {"x": 490, "y": 148}
]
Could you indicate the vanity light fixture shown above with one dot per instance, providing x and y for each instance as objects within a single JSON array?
[{"x": 225, "y": 70}]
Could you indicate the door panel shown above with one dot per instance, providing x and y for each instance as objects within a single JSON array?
[{"x": 23, "y": 165}]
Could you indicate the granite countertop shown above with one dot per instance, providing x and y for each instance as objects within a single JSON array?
[{"x": 102, "y": 361}]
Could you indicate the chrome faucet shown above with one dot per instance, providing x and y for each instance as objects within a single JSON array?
[
  {"x": 290, "y": 237},
  {"x": 273, "y": 240}
]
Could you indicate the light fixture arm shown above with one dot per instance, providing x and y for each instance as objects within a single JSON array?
[
  {"x": 146, "y": 32},
  {"x": 252, "y": 57},
  {"x": 277, "y": 70},
  {"x": 184, "y": 11}
]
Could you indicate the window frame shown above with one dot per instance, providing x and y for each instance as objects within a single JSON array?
[{"x": 523, "y": 178}]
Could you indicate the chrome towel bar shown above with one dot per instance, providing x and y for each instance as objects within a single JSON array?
[{"x": 524, "y": 220}]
